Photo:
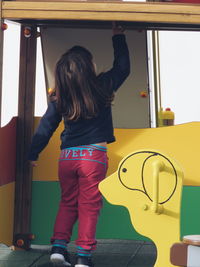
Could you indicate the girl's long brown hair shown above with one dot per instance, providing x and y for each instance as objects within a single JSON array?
[{"x": 79, "y": 93}]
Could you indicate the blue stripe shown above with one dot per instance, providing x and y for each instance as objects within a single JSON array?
[
  {"x": 79, "y": 247},
  {"x": 83, "y": 249},
  {"x": 93, "y": 147},
  {"x": 85, "y": 159},
  {"x": 99, "y": 146},
  {"x": 84, "y": 255}
]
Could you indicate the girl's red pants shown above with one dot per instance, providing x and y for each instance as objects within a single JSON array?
[{"x": 80, "y": 171}]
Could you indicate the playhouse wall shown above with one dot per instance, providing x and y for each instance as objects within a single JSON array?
[
  {"x": 114, "y": 221},
  {"x": 130, "y": 111},
  {"x": 7, "y": 180}
]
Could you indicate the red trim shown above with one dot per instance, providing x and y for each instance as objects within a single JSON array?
[{"x": 8, "y": 152}]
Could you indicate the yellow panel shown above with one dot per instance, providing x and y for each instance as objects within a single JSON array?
[
  {"x": 7, "y": 213},
  {"x": 180, "y": 142},
  {"x": 149, "y": 185},
  {"x": 47, "y": 169}
]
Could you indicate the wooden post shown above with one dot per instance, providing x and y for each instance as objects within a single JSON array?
[
  {"x": 156, "y": 72},
  {"x": 1, "y": 57},
  {"x": 24, "y": 135}
]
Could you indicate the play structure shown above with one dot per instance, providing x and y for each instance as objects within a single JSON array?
[
  {"x": 149, "y": 183},
  {"x": 154, "y": 170}
]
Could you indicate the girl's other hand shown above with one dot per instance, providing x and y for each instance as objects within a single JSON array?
[
  {"x": 33, "y": 163},
  {"x": 117, "y": 29}
]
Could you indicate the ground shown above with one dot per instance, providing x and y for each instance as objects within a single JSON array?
[{"x": 109, "y": 253}]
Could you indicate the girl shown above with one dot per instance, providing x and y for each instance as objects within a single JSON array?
[{"x": 83, "y": 100}]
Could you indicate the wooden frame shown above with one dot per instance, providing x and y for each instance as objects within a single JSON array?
[
  {"x": 142, "y": 12},
  {"x": 25, "y": 126},
  {"x": 1, "y": 56},
  {"x": 151, "y": 15}
]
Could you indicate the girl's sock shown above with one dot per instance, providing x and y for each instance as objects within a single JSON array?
[
  {"x": 60, "y": 243},
  {"x": 83, "y": 252}
]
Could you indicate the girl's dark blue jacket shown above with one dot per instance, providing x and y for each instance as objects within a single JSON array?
[{"x": 85, "y": 131}]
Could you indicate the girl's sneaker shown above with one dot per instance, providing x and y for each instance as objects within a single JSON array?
[
  {"x": 60, "y": 256},
  {"x": 84, "y": 262}
]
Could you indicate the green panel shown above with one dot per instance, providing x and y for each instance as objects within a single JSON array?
[
  {"x": 114, "y": 221},
  {"x": 190, "y": 211},
  {"x": 45, "y": 199}
]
